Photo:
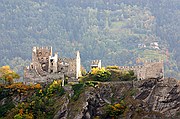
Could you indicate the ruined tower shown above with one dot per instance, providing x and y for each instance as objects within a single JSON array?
[
  {"x": 40, "y": 59},
  {"x": 78, "y": 65},
  {"x": 96, "y": 64},
  {"x": 45, "y": 66},
  {"x": 53, "y": 63},
  {"x": 154, "y": 69}
]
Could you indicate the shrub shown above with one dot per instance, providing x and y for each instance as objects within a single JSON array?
[
  {"x": 78, "y": 88},
  {"x": 100, "y": 74},
  {"x": 127, "y": 76},
  {"x": 18, "y": 116},
  {"x": 55, "y": 87},
  {"x": 116, "y": 110},
  {"x": 91, "y": 83},
  {"x": 23, "y": 116},
  {"x": 112, "y": 67},
  {"x": 7, "y": 106}
]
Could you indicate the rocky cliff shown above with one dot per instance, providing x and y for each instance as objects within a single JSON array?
[
  {"x": 151, "y": 98},
  {"x": 145, "y": 99}
]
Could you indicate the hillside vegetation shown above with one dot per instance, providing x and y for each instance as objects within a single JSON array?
[
  {"x": 110, "y": 30},
  {"x": 96, "y": 100},
  {"x": 104, "y": 93}
]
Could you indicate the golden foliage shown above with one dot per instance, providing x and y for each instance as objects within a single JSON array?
[
  {"x": 94, "y": 70},
  {"x": 97, "y": 70},
  {"x": 7, "y": 74},
  {"x": 21, "y": 111},
  {"x": 21, "y": 88},
  {"x": 37, "y": 86},
  {"x": 116, "y": 109}
]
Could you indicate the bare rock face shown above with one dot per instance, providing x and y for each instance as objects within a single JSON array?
[
  {"x": 162, "y": 96},
  {"x": 150, "y": 98}
]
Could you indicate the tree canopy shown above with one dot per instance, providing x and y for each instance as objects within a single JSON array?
[
  {"x": 118, "y": 32},
  {"x": 7, "y": 74}
]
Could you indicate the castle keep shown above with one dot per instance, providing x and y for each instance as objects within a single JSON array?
[{"x": 45, "y": 66}]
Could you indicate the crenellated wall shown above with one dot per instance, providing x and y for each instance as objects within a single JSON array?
[{"x": 147, "y": 70}]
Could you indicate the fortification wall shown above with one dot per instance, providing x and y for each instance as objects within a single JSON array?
[
  {"x": 154, "y": 69},
  {"x": 131, "y": 67},
  {"x": 71, "y": 65},
  {"x": 147, "y": 70}
]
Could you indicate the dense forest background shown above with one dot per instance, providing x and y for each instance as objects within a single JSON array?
[{"x": 115, "y": 31}]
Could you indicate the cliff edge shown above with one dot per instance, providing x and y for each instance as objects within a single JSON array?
[{"x": 150, "y": 98}]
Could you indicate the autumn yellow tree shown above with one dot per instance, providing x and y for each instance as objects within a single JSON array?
[
  {"x": 100, "y": 74},
  {"x": 7, "y": 74}
]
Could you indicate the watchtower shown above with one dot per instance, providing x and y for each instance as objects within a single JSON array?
[
  {"x": 96, "y": 64},
  {"x": 40, "y": 57}
]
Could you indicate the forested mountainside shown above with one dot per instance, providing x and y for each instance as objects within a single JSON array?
[{"x": 119, "y": 32}]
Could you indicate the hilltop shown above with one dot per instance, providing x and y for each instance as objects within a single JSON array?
[{"x": 150, "y": 98}]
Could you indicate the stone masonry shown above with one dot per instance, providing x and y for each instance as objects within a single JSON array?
[
  {"x": 147, "y": 70},
  {"x": 45, "y": 67}
]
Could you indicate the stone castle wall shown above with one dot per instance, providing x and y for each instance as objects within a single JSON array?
[
  {"x": 40, "y": 58},
  {"x": 154, "y": 69},
  {"x": 44, "y": 66},
  {"x": 71, "y": 62},
  {"x": 147, "y": 70}
]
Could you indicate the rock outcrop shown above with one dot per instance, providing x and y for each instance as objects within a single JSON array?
[
  {"x": 145, "y": 99},
  {"x": 162, "y": 96},
  {"x": 150, "y": 98}
]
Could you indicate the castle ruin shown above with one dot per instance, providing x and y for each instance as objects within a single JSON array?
[
  {"x": 95, "y": 64},
  {"x": 45, "y": 66},
  {"x": 147, "y": 70}
]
